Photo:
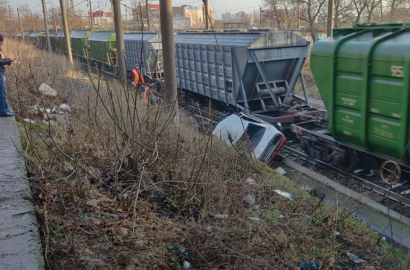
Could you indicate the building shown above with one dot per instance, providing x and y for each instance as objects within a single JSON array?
[
  {"x": 196, "y": 14},
  {"x": 182, "y": 23},
  {"x": 102, "y": 18},
  {"x": 241, "y": 17},
  {"x": 227, "y": 17}
]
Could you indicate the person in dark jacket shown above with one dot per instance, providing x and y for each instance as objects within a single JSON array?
[{"x": 4, "y": 106}]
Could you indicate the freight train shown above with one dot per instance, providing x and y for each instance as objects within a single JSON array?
[{"x": 361, "y": 74}]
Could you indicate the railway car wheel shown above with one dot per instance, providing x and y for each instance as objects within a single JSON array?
[
  {"x": 349, "y": 162},
  {"x": 390, "y": 172}
]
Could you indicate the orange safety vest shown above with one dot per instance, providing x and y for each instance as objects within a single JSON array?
[{"x": 137, "y": 77}]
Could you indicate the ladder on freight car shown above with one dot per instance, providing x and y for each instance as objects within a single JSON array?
[{"x": 158, "y": 70}]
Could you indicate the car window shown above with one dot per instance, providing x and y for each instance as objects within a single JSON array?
[{"x": 255, "y": 134}]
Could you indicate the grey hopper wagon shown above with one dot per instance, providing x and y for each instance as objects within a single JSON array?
[
  {"x": 254, "y": 70},
  {"x": 144, "y": 49}
]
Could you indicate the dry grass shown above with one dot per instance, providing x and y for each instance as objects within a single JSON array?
[{"x": 116, "y": 183}]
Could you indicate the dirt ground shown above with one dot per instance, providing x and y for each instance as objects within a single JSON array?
[{"x": 118, "y": 184}]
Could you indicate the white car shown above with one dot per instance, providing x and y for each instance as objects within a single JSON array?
[{"x": 260, "y": 139}]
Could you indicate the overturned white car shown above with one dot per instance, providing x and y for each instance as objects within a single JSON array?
[{"x": 260, "y": 139}]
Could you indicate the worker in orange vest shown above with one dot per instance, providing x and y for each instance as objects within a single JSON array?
[
  {"x": 139, "y": 82},
  {"x": 136, "y": 76}
]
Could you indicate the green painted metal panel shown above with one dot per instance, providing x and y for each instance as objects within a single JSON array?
[
  {"x": 79, "y": 43},
  {"x": 362, "y": 76},
  {"x": 34, "y": 38},
  {"x": 61, "y": 46},
  {"x": 103, "y": 47}
]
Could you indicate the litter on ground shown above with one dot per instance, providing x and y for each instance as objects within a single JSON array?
[
  {"x": 287, "y": 195},
  {"x": 280, "y": 170}
]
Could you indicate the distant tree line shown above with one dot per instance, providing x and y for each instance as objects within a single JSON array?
[{"x": 312, "y": 14}]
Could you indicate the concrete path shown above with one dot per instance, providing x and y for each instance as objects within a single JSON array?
[{"x": 20, "y": 247}]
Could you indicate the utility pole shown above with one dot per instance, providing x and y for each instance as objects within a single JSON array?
[
  {"x": 167, "y": 32},
  {"x": 298, "y": 14},
  {"x": 55, "y": 21},
  {"x": 11, "y": 19},
  {"x": 32, "y": 22},
  {"x": 120, "y": 41},
  {"x": 260, "y": 16},
  {"x": 126, "y": 19},
  {"x": 206, "y": 14},
  {"x": 91, "y": 15},
  {"x": 146, "y": 5},
  {"x": 21, "y": 25},
  {"x": 72, "y": 7},
  {"x": 46, "y": 25},
  {"x": 66, "y": 32},
  {"x": 330, "y": 18},
  {"x": 2, "y": 24}
]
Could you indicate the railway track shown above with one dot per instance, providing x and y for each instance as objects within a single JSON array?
[{"x": 396, "y": 197}]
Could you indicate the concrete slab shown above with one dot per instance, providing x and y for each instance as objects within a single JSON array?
[{"x": 20, "y": 246}]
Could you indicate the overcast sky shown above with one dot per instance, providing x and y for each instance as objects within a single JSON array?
[{"x": 220, "y": 6}]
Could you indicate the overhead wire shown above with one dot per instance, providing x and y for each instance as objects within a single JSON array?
[{"x": 59, "y": 14}]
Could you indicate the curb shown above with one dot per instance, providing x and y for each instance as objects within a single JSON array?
[{"x": 20, "y": 246}]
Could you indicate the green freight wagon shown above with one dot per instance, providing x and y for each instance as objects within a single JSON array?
[
  {"x": 103, "y": 48},
  {"x": 43, "y": 41},
  {"x": 34, "y": 38},
  {"x": 80, "y": 44},
  {"x": 20, "y": 36},
  {"x": 61, "y": 46},
  {"x": 363, "y": 77}
]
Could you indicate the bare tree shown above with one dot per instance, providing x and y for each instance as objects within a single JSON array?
[
  {"x": 284, "y": 11},
  {"x": 397, "y": 10},
  {"x": 360, "y": 8},
  {"x": 371, "y": 9},
  {"x": 310, "y": 13},
  {"x": 343, "y": 13}
]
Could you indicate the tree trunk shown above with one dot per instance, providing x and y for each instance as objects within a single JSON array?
[
  {"x": 312, "y": 31},
  {"x": 278, "y": 20}
]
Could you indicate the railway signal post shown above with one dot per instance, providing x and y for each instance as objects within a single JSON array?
[
  {"x": 66, "y": 32},
  {"x": 167, "y": 32},
  {"x": 119, "y": 40}
]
